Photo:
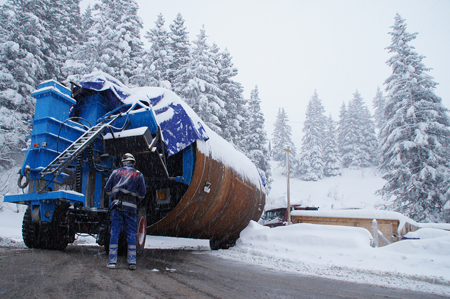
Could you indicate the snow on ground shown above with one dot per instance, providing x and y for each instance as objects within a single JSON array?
[{"x": 344, "y": 253}]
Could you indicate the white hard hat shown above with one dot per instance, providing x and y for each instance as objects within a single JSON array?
[{"x": 128, "y": 158}]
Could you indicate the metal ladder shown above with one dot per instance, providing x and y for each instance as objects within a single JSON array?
[{"x": 70, "y": 153}]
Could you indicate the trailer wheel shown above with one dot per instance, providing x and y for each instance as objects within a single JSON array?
[
  {"x": 217, "y": 244},
  {"x": 141, "y": 230},
  {"x": 30, "y": 230},
  {"x": 58, "y": 229},
  {"x": 52, "y": 235}
]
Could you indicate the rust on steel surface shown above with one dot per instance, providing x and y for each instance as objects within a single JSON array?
[{"x": 222, "y": 212}]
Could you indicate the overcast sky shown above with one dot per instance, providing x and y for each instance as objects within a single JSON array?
[{"x": 289, "y": 48}]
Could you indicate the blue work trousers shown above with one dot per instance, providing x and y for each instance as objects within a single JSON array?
[{"x": 119, "y": 219}]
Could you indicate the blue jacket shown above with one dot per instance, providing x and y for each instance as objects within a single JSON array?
[{"x": 126, "y": 181}]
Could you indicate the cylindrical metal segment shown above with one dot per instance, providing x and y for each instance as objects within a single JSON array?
[{"x": 221, "y": 213}]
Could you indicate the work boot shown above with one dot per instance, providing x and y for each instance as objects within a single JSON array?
[
  {"x": 111, "y": 266},
  {"x": 132, "y": 266}
]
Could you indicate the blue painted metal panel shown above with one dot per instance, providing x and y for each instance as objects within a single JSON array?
[
  {"x": 46, "y": 201},
  {"x": 91, "y": 108},
  {"x": 47, "y": 206},
  {"x": 188, "y": 166},
  {"x": 56, "y": 85},
  {"x": 98, "y": 189},
  {"x": 68, "y": 196},
  {"x": 50, "y": 102},
  {"x": 142, "y": 118}
]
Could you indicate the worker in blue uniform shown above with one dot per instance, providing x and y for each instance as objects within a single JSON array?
[{"x": 126, "y": 187}]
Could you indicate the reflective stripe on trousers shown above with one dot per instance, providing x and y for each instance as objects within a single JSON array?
[
  {"x": 131, "y": 254},
  {"x": 113, "y": 253},
  {"x": 119, "y": 219}
]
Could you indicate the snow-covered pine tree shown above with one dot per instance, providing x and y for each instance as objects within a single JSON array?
[
  {"x": 244, "y": 123},
  {"x": 331, "y": 154},
  {"x": 282, "y": 139},
  {"x": 256, "y": 138},
  {"x": 415, "y": 137},
  {"x": 378, "y": 105},
  {"x": 359, "y": 147},
  {"x": 181, "y": 52},
  {"x": 342, "y": 133},
  {"x": 311, "y": 162},
  {"x": 351, "y": 151},
  {"x": 14, "y": 114},
  {"x": 369, "y": 139},
  {"x": 157, "y": 61},
  {"x": 201, "y": 91},
  {"x": 27, "y": 56},
  {"x": 82, "y": 57},
  {"x": 231, "y": 122},
  {"x": 112, "y": 42},
  {"x": 65, "y": 23},
  {"x": 30, "y": 50}
]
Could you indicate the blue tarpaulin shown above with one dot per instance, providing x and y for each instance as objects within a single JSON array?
[{"x": 180, "y": 126}]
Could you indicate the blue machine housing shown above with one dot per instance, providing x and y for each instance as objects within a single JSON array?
[{"x": 59, "y": 121}]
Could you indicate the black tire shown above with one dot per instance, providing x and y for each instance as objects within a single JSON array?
[
  {"x": 30, "y": 230},
  {"x": 59, "y": 229},
  {"x": 45, "y": 235},
  {"x": 217, "y": 244},
  {"x": 52, "y": 235}
]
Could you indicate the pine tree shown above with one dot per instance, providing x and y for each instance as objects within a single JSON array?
[
  {"x": 112, "y": 42},
  {"x": 415, "y": 137},
  {"x": 82, "y": 57},
  {"x": 281, "y": 140},
  {"x": 331, "y": 154},
  {"x": 27, "y": 56},
  {"x": 358, "y": 143},
  {"x": 13, "y": 126},
  {"x": 256, "y": 138},
  {"x": 232, "y": 121},
  {"x": 311, "y": 164},
  {"x": 378, "y": 104},
  {"x": 158, "y": 60},
  {"x": 342, "y": 132},
  {"x": 181, "y": 52},
  {"x": 201, "y": 91},
  {"x": 65, "y": 23},
  {"x": 29, "y": 50},
  {"x": 369, "y": 139}
]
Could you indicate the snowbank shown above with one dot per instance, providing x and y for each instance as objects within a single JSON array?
[{"x": 345, "y": 253}]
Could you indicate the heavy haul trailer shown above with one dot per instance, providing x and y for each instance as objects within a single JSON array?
[{"x": 198, "y": 185}]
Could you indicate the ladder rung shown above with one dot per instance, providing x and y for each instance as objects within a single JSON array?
[{"x": 67, "y": 155}]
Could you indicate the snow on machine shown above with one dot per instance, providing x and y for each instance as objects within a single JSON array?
[{"x": 198, "y": 185}]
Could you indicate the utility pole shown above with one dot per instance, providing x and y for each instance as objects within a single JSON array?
[{"x": 288, "y": 195}]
